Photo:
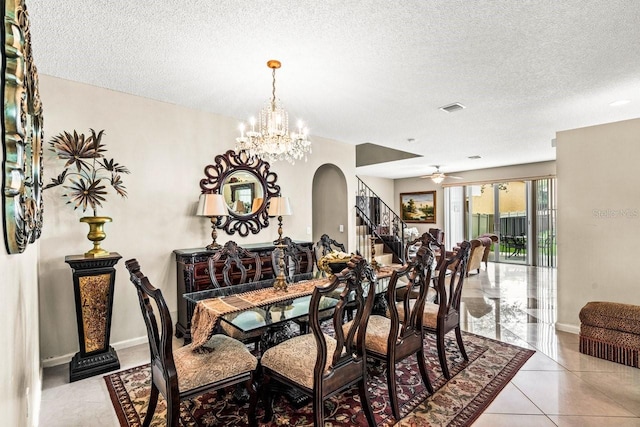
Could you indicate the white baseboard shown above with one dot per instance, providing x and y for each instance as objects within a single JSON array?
[
  {"x": 66, "y": 358},
  {"x": 567, "y": 327}
]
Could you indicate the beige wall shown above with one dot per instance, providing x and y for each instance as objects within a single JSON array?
[
  {"x": 598, "y": 217},
  {"x": 20, "y": 360},
  {"x": 166, "y": 147}
]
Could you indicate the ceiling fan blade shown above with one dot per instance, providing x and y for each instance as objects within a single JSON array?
[{"x": 454, "y": 177}]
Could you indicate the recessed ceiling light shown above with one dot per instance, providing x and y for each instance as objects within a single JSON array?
[
  {"x": 474, "y": 157},
  {"x": 619, "y": 102},
  {"x": 456, "y": 106}
]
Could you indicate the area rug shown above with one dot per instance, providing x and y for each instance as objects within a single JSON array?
[{"x": 458, "y": 402}]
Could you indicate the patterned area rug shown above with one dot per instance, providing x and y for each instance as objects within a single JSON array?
[{"x": 458, "y": 402}]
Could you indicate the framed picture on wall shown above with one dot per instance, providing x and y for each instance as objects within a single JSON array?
[{"x": 418, "y": 207}]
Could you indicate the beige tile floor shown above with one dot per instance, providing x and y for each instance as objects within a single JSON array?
[{"x": 558, "y": 386}]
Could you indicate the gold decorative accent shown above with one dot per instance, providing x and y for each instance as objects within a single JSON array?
[
  {"x": 374, "y": 263},
  {"x": 280, "y": 283},
  {"x": 22, "y": 137},
  {"x": 96, "y": 234},
  {"x": 336, "y": 258},
  {"x": 94, "y": 295}
]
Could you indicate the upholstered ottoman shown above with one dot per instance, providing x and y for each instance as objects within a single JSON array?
[{"x": 611, "y": 331}]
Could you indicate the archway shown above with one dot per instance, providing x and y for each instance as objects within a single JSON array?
[{"x": 330, "y": 209}]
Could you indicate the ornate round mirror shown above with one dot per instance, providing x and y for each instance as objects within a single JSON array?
[{"x": 246, "y": 185}]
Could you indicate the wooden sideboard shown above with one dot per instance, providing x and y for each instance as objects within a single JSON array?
[{"x": 192, "y": 270}]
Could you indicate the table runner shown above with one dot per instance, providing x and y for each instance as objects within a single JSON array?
[{"x": 207, "y": 313}]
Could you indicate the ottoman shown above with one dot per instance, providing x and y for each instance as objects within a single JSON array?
[{"x": 611, "y": 331}]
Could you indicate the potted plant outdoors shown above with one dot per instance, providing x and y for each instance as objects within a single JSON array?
[{"x": 87, "y": 172}]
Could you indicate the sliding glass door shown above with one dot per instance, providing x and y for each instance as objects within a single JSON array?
[
  {"x": 500, "y": 208},
  {"x": 521, "y": 213}
]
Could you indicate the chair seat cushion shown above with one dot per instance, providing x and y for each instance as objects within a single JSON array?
[
  {"x": 295, "y": 358},
  {"x": 225, "y": 358},
  {"x": 429, "y": 316},
  {"x": 377, "y": 336}
]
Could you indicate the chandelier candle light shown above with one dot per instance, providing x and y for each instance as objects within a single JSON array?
[{"x": 271, "y": 140}]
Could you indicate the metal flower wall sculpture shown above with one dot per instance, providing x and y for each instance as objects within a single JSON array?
[{"x": 86, "y": 170}]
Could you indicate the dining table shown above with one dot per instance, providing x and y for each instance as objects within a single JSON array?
[{"x": 258, "y": 306}]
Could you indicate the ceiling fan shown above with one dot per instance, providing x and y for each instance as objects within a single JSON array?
[{"x": 438, "y": 176}]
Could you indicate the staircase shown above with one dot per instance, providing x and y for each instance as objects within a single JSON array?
[
  {"x": 377, "y": 221},
  {"x": 363, "y": 239}
]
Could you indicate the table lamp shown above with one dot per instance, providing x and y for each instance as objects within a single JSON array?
[
  {"x": 213, "y": 206},
  {"x": 280, "y": 206}
]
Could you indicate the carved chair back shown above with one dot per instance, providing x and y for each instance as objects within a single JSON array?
[
  {"x": 451, "y": 277},
  {"x": 239, "y": 265},
  {"x": 428, "y": 240}
]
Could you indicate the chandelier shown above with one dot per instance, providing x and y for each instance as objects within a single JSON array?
[{"x": 269, "y": 139}]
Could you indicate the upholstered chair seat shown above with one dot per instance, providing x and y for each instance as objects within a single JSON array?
[
  {"x": 429, "y": 314},
  {"x": 221, "y": 358},
  {"x": 296, "y": 357},
  {"x": 378, "y": 331}
]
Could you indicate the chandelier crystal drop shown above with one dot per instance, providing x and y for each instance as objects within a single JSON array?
[{"x": 269, "y": 139}]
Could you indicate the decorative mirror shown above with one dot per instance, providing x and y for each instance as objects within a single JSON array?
[
  {"x": 22, "y": 132},
  {"x": 246, "y": 185}
]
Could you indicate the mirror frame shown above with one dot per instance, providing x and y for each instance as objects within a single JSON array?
[
  {"x": 215, "y": 177},
  {"x": 22, "y": 133}
]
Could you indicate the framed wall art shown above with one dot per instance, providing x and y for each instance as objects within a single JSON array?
[
  {"x": 419, "y": 207},
  {"x": 21, "y": 132}
]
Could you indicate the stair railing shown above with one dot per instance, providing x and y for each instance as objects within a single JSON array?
[{"x": 381, "y": 222}]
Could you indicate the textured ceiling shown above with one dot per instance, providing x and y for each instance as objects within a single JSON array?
[{"x": 366, "y": 71}]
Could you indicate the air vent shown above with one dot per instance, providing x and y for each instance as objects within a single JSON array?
[
  {"x": 474, "y": 157},
  {"x": 453, "y": 107}
]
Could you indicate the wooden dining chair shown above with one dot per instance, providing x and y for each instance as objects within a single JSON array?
[
  {"x": 321, "y": 365},
  {"x": 183, "y": 373},
  {"x": 394, "y": 338},
  {"x": 444, "y": 316}
]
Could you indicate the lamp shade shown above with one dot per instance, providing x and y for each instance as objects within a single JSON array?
[
  {"x": 279, "y": 206},
  {"x": 211, "y": 205}
]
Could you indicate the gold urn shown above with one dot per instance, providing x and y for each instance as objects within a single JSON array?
[{"x": 96, "y": 234}]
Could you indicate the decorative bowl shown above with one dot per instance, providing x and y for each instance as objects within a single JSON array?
[{"x": 334, "y": 262}]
